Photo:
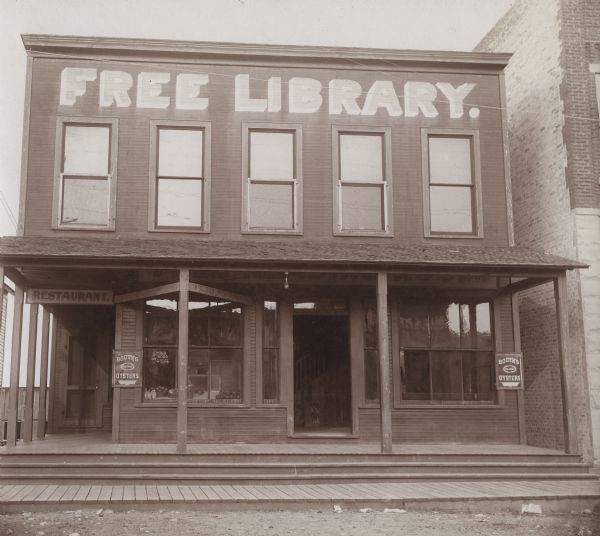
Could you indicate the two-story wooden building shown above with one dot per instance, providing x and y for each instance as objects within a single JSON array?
[{"x": 245, "y": 243}]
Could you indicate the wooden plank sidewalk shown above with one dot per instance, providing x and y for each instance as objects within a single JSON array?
[{"x": 349, "y": 493}]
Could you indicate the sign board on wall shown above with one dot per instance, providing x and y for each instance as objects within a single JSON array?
[
  {"x": 127, "y": 366},
  {"x": 69, "y": 296},
  {"x": 509, "y": 371}
]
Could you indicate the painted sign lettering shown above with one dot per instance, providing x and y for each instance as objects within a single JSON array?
[
  {"x": 509, "y": 371},
  {"x": 70, "y": 296},
  {"x": 127, "y": 368},
  {"x": 305, "y": 95}
]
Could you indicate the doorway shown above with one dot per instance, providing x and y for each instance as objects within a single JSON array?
[{"x": 322, "y": 399}]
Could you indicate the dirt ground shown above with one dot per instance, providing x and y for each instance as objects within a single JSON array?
[{"x": 302, "y": 523}]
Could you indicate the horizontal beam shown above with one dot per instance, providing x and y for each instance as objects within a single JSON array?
[
  {"x": 221, "y": 294},
  {"x": 524, "y": 284}
]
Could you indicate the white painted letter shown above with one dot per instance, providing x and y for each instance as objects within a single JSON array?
[
  {"x": 382, "y": 95},
  {"x": 274, "y": 94},
  {"x": 149, "y": 88},
  {"x": 343, "y": 95},
  {"x": 72, "y": 83},
  {"x": 455, "y": 97},
  {"x": 243, "y": 102},
  {"x": 187, "y": 89},
  {"x": 304, "y": 95},
  {"x": 114, "y": 85},
  {"x": 419, "y": 96}
]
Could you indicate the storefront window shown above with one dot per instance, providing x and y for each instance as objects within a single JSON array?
[
  {"x": 446, "y": 351},
  {"x": 215, "y": 352},
  {"x": 270, "y": 353}
]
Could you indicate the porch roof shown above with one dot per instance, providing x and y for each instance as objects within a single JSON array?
[{"x": 22, "y": 251}]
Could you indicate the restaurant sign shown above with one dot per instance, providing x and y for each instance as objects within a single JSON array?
[
  {"x": 509, "y": 371},
  {"x": 127, "y": 368},
  {"x": 69, "y": 296}
]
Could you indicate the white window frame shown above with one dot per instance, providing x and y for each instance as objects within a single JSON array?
[
  {"x": 476, "y": 196},
  {"x": 388, "y": 220},
  {"x": 155, "y": 125},
  {"x": 296, "y": 182},
  {"x": 61, "y": 123}
]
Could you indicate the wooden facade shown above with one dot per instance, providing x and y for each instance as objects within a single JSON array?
[{"x": 320, "y": 296}]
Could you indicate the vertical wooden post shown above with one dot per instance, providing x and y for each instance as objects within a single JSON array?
[
  {"x": 286, "y": 346},
  {"x": 30, "y": 382},
  {"x": 357, "y": 359},
  {"x": 116, "y": 394},
  {"x": 385, "y": 388},
  {"x": 517, "y": 347},
  {"x": 182, "y": 361},
  {"x": 41, "y": 423},
  {"x": 52, "y": 388},
  {"x": 15, "y": 366},
  {"x": 565, "y": 365}
]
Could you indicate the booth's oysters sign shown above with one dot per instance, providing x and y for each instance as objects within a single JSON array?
[
  {"x": 127, "y": 368},
  {"x": 509, "y": 371}
]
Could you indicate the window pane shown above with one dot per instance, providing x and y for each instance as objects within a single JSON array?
[
  {"x": 180, "y": 153},
  {"x": 225, "y": 325},
  {"x": 226, "y": 375},
  {"x": 270, "y": 325},
  {"x": 85, "y": 201},
  {"x": 451, "y": 209},
  {"x": 446, "y": 375},
  {"x": 198, "y": 374},
  {"x": 198, "y": 323},
  {"x": 450, "y": 160},
  {"x": 86, "y": 150},
  {"x": 362, "y": 208},
  {"x": 179, "y": 203},
  {"x": 478, "y": 376},
  {"x": 415, "y": 384},
  {"x": 414, "y": 325},
  {"x": 372, "y": 375},
  {"x": 271, "y": 206},
  {"x": 445, "y": 325},
  {"x": 272, "y": 155},
  {"x": 160, "y": 322},
  {"x": 271, "y": 376},
  {"x": 159, "y": 373},
  {"x": 475, "y": 325},
  {"x": 371, "y": 326},
  {"x": 361, "y": 158}
]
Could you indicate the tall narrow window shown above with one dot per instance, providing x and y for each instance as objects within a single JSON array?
[
  {"x": 452, "y": 194},
  {"x": 86, "y": 175},
  {"x": 362, "y": 175},
  {"x": 180, "y": 177},
  {"x": 272, "y": 179},
  {"x": 371, "y": 353},
  {"x": 270, "y": 365}
]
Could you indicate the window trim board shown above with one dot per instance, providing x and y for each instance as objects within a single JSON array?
[
  {"x": 477, "y": 198},
  {"x": 205, "y": 126},
  {"x": 111, "y": 176}
]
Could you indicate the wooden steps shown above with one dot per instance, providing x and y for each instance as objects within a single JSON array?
[{"x": 252, "y": 468}]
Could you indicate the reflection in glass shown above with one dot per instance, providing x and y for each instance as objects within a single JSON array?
[
  {"x": 415, "y": 385},
  {"x": 478, "y": 376},
  {"x": 445, "y": 325},
  {"x": 414, "y": 324},
  {"x": 371, "y": 375},
  {"x": 446, "y": 375}
]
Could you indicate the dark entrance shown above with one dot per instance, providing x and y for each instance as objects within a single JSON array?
[{"x": 321, "y": 373}]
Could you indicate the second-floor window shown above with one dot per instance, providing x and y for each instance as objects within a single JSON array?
[
  {"x": 85, "y": 180},
  {"x": 362, "y": 174},
  {"x": 452, "y": 184},
  {"x": 272, "y": 172},
  {"x": 180, "y": 177}
]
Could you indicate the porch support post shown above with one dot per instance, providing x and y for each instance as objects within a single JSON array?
[
  {"x": 29, "y": 386},
  {"x": 182, "y": 361},
  {"x": 517, "y": 347},
  {"x": 15, "y": 365},
  {"x": 385, "y": 388},
  {"x": 562, "y": 328},
  {"x": 41, "y": 422}
]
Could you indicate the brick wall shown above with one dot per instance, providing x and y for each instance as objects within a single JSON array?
[{"x": 543, "y": 177}]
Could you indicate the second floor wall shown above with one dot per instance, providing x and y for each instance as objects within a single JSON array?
[{"x": 254, "y": 148}]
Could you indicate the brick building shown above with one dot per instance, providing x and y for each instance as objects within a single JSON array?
[
  {"x": 553, "y": 97},
  {"x": 277, "y": 244}
]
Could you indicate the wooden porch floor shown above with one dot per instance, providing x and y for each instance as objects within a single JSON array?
[{"x": 100, "y": 443}]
